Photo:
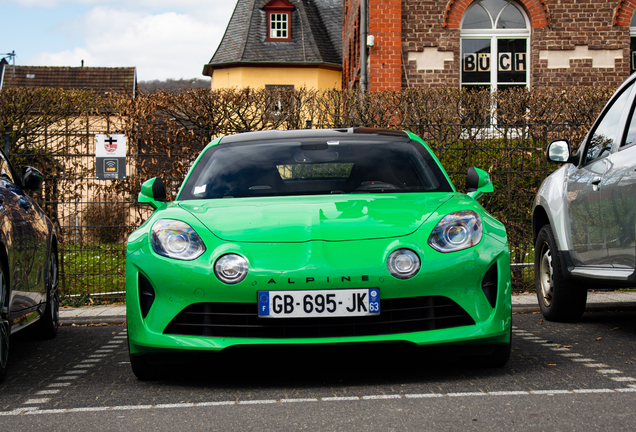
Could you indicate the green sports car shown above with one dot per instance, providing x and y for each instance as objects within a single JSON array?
[{"x": 310, "y": 237}]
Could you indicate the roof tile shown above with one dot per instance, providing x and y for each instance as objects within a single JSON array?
[
  {"x": 316, "y": 27},
  {"x": 100, "y": 79}
]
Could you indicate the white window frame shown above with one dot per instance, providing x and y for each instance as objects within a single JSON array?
[
  {"x": 494, "y": 34},
  {"x": 274, "y": 18}
]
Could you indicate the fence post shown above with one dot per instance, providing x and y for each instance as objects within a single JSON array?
[{"x": 7, "y": 138}]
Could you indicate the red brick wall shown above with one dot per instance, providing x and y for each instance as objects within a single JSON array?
[
  {"x": 556, "y": 25},
  {"x": 351, "y": 44},
  {"x": 580, "y": 22},
  {"x": 422, "y": 26},
  {"x": 385, "y": 58}
]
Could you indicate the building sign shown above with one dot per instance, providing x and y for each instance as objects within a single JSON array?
[
  {"x": 507, "y": 62},
  {"x": 110, "y": 156},
  {"x": 512, "y": 62}
]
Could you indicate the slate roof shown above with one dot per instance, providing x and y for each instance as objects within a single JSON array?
[
  {"x": 316, "y": 28},
  {"x": 99, "y": 79}
]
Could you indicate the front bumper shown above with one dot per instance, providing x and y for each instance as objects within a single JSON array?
[{"x": 454, "y": 293}]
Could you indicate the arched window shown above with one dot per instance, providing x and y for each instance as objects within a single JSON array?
[{"x": 494, "y": 42}]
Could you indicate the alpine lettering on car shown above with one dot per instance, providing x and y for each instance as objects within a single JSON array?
[{"x": 363, "y": 278}]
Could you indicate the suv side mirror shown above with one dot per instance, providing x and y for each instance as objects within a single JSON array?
[
  {"x": 559, "y": 152},
  {"x": 32, "y": 179},
  {"x": 153, "y": 193},
  {"x": 478, "y": 183}
]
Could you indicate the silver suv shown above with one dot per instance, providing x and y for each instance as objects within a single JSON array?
[{"x": 584, "y": 215}]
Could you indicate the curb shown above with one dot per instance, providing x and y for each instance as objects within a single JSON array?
[
  {"x": 593, "y": 307},
  {"x": 112, "y": 320}
]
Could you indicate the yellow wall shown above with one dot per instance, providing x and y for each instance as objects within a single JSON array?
[{"x": 259, "y": 77}]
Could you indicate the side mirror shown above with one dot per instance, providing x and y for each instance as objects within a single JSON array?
[
  {"x": 153, "y": 193},
  {"x": 478, "y": 183},
  {"x": 32, "y": 179},
  {"x": 559, "y": 152}
]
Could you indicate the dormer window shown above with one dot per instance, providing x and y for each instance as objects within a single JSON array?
[
  {"x": 278, "y": 26},
  {"x": 279, "y": 20}
]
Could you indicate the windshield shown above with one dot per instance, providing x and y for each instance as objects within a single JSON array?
[{"x": 310, "y": 168}]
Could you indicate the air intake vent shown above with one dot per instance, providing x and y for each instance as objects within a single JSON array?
[
  {"x": 489, "y": 285},
  {"x": 146, "y": 295},
  {"x": 405, "y": 315}
]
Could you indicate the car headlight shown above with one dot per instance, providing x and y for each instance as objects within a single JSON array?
[
  {"x": 176, "y": 239},
  {"x": 457, "y": 231},
  {"x": 231, "y": 268},
  {"x": 403, "y": 263}
]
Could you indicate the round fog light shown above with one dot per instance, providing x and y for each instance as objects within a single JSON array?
[
  {"x": 231, "y": 268},
  {"x": 403, "y": 263}
]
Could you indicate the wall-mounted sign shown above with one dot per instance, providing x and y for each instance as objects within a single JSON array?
[
  {"x": 507, "y": 62},
  {"x": 110, "y": 156},
  {"x": 477, "y": 62}
]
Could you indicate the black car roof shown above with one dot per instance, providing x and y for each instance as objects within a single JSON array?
[{"x": 310, "y": 134}]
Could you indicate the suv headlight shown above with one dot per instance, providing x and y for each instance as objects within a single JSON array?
[
  {"x": 457, "y": 231},
  {"x": 176, "y": 239}
]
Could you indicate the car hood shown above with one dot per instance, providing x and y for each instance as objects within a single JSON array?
[{"x": 320, "y": 217}]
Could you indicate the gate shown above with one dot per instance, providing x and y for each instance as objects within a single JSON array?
[{"x": 94, "y": 217}]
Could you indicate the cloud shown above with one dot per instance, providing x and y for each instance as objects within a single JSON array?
[
  {"x": 139, "y": 4},
  {"x": 161, "y": 45}
]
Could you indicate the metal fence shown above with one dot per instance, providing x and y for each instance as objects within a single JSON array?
[{"x": 94, "y": 222}]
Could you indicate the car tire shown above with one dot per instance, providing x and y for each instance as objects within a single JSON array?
[
  {"x": 559, "y": 300},
  {"x": 143, "y": 369},
  {"x": 5, "y": 331},
  {"x": 47, "y": 326},
  {"x": 496, "y": 359}
]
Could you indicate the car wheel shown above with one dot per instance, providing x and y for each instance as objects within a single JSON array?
[
  {"x": 558, "y": 298},
  {"x": 4, "y": 323},
  {"x": 46, "y": 327},
  {"x": 496, "y": 359},
  {"x": 143, "y": 369}
]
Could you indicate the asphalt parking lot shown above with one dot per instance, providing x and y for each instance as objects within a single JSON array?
[{"x": 573, "y": 372}]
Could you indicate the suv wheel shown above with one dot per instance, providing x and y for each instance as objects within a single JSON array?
[{"x": 558, "y": 299}]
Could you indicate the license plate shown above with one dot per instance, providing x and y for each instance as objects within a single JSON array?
[{"x": 318, "y": 303}]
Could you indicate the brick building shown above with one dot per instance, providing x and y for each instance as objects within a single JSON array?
[{"x": 488, "y": 43}]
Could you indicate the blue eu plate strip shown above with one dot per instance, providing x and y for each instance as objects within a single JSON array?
[
  {"x": 374, "y": 300},
  {"x": 263, "y": 303}
]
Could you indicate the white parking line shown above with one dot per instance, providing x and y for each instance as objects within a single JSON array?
[
  {"x": 36, "y": 401},
  {"x": 71, "y": 375},
  {"x": 367, "y": 398}
]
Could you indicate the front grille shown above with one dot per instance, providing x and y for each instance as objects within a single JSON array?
[{"x": 240, "y": 320}]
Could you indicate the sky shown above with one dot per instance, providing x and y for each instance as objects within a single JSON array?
[{"x": 162, "y": 39}]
